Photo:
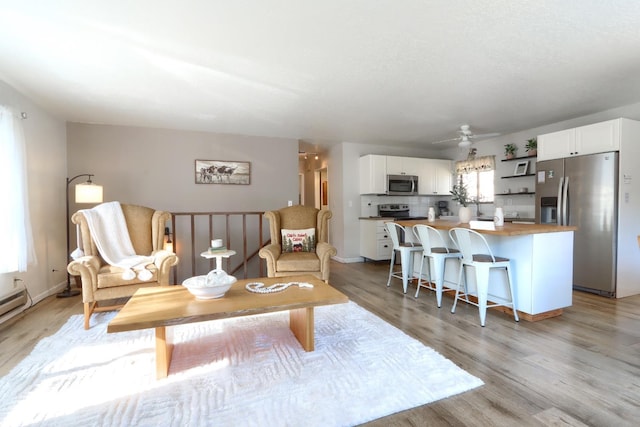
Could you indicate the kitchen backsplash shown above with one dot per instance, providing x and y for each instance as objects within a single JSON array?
[
  {"x": 514, "y": 207},
  {"x": 418, "y": 205}
]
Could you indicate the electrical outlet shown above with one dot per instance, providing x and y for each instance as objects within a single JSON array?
[{"x": 290, "y": 203}]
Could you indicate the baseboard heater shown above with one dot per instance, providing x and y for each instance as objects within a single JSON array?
[{"x": 12, "y": 301}]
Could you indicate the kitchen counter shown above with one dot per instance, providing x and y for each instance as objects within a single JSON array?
[
  {"x": 541, "y": 263},
  {"x": 377, "y": 218},
  {"x": 484, "y": 219},
  {"x": 487, "y": 227},
  {"x": 508, "y": 219}
]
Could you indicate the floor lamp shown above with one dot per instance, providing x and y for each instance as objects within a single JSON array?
[{"x": 87, "y": 192}]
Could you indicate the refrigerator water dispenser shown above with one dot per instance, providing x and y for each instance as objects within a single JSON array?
[{"x": 548, "y": 213}]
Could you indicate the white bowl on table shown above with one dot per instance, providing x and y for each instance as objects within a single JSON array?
[{"x": 213, "y": 285}]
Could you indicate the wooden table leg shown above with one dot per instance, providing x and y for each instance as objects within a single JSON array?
[
  {"x": 163, "y": 352},
  {"x": 301, "y": 324}
]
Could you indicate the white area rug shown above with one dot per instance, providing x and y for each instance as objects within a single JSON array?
[{"x": 247, "y": 371}]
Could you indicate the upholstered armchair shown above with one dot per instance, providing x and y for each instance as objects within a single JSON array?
[
  {"x": 294, "y": 254},
  {"x": 101, "y": 281}
]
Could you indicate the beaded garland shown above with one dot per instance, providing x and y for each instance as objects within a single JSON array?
[{"x": 258, "y": 287}]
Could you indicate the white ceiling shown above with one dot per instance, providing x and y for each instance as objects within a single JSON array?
[{"x": 383, "y": 71}]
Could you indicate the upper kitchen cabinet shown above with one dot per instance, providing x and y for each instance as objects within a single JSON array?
[
  {"x": 598, "y": 137},
  {"x": 435, "y": 177},
  {"x": 556, "y": 145},
  {"x": 590, "y": 139},
  {"x": 403, "y": 165},
  {"x": 373, "y": 174}
]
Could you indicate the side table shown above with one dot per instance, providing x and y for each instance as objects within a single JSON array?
[{"x": 218, "y": 255}]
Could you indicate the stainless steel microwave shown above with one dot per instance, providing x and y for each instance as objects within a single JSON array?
[{"x": 402, "y": 185}]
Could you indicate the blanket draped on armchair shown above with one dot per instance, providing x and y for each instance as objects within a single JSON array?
[{"x": 109, "y": 230}]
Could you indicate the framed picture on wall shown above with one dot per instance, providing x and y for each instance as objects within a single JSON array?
[
  {"x": 521, "y": 168},
  {"x": 222, "y": 172}
]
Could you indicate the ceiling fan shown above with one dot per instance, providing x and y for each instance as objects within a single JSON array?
[{"x": 466, "y": 137}]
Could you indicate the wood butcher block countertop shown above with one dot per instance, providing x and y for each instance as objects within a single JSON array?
[
  {"x": 377, "y": 218},
  {"x": 508, "y": 229}
]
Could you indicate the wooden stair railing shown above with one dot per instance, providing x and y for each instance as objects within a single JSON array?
[{"x": 242, "y": 232}]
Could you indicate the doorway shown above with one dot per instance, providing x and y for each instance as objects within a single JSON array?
[{"x": 321, "y": 186}]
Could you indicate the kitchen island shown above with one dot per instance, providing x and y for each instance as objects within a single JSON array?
[{"x": 541, "y": 262}]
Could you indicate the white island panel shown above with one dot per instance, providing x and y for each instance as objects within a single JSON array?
[{"x": 541, "y": 265}]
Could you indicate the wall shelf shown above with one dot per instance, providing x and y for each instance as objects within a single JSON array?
[
  {"x": 515, "y": 194},
  {"x": 518, "y": 176},
  {"x": 518, "y": 158}
]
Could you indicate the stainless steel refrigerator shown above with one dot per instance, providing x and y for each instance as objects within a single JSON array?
[{"x": 583, "y": 191}]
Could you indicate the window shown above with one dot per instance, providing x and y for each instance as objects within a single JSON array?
[
  {"x": 16, "y": 250},
  {"x": 477, "y": 174},
  {"x": 479, "y": 185}
]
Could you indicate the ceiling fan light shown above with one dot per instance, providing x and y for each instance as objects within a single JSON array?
[
  {"x": 464, "y": 141},
  {"x": 465, "y": 136}
]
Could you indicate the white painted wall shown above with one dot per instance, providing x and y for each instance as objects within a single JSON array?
[
  {"x": 46, "y": 162},
  {"x": 628, "y": 263},
  {"x": 156, "y": 167},
  {"x": 345, "y": 201}
]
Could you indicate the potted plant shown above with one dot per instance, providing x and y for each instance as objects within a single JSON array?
[
  {"x": 510, "y": 150},
  {"x": 460, "y": 194},
  {"x": 532, "y": 146}
]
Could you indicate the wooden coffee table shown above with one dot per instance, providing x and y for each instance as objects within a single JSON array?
[{"x": 159, "y": 307}]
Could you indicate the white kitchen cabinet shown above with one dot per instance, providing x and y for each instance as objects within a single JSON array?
[
  {"x": 373, "y": 174},
  {"x": 556, "y": 145},
  {"x": 590, "y": 139},
  {"x": 403, "y": 165},
  {"x": 598, "y": 137},
  {"x": 375, "y": 243},
  {"x": 435, "y": 177}
]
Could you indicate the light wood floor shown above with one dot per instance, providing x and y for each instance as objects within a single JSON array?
[{"x": 582, "y": 368}]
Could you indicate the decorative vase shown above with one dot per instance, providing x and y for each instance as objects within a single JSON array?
[
  {"x": 464, "y": 214},
  {"x": 532, "y": 152},
  {"x": 431, "y": 216},
  {"x": 498, "y": 217},
  {"x": 510, "y": 156}
]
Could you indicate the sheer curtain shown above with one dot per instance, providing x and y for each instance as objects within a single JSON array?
[{"x": 16, "y": 241}]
